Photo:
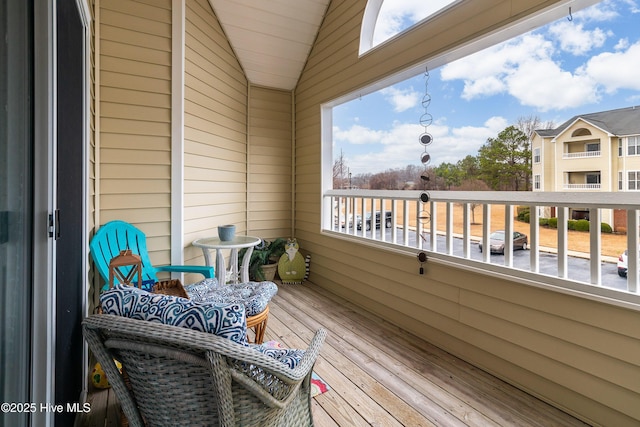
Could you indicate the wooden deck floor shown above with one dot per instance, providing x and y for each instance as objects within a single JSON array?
[{"x": 380, "y": 375}]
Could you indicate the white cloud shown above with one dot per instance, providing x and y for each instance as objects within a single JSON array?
[
  {"x": 357, "y": 135},
  {"x": 615, "y": 71},
  {"x": 622, "y": 44},
  {"x": 524, "y": 68},
  {"x": 401, "y": 99},
  {"x": 398, "y": 15},
  {"x": 545, "y": 86},
  {"x": 399, "y": 146},
  {"x": 573, "y": 38}
]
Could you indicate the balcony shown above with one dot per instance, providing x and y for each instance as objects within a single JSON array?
[
  {"x": 579, "y": 187},
  {"x": 381, "y": 375},
  {"x": 430, "y": 226},
  {"x": 581, "y": 155}
]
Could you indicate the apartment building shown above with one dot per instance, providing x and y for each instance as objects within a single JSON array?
[{"x": 596, "y": 152}]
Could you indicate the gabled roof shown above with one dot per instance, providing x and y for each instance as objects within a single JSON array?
[{"x": 620, "y": 122}]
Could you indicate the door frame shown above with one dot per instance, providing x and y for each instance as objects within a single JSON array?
[{"x": 44, "y": 248}]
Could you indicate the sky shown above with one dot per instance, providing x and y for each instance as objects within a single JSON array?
[{"x": 593, "y": 61}]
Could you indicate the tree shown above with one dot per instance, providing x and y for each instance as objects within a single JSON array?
[
  {"x": 469, "y": 168},
  {"x": 528, "y": 125},
  {"x": 339, "y": 170},
  {"x": 450, "y": 173},
  {"x": 505, "y": 161}
]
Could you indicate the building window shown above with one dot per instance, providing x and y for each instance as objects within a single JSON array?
[
  {"x": 634, "y": 180},
  {"x": 536, "y": 182},
  {"x": 620, "y": 145},
  {"x": 633, "y": 145},
  {"x": 536, "y": 155},
  {"x": 593, "y": 146},
  {"x": 620, "y": 182},
  {"x": 593, "y": 178}
]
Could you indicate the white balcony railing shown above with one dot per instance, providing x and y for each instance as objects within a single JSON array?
[
  {"x": 581, "y": 155},
  {"x": 581, "y": 186},
  {"x": 451, "y": 225}
]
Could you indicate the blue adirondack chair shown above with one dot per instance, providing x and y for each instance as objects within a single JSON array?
[{"x": 116, "y": 236}]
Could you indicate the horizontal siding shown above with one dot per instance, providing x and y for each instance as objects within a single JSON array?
[
  {"x": 215, "y": 131},
  {"x": 135, "y": 118},
  {"x": 576, "y": 353},
  {"x": 270, "y": 163}
]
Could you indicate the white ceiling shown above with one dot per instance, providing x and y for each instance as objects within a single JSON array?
[{"x": 271, "y": 38}]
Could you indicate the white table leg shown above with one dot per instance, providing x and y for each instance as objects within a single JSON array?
[
  {"x": 245, "y": 264},
  {"x": 221, "y": 268},
  {"x": 233, "y": 266}
]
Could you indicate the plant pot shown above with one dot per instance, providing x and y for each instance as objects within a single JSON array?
[
  {"x": 226, "y": 233},
  {"x": 269, "y": 271}
]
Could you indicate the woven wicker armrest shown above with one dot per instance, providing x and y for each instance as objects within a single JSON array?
[{"x": 217, "y": 379}]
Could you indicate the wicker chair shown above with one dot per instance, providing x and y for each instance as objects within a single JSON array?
[{"x": 182, "y": 377}]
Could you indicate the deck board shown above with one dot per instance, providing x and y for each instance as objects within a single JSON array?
[{"x": 381, "y": 375}]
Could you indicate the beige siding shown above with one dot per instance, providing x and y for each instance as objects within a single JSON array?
[
  {"x": 215, "y": 132},
  {"x": 579, "y": 354},
  {"x": 135, "y": 118},
  {"x": 270, "y": 163}
]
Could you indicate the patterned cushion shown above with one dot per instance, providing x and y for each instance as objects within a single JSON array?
[
  {"x": 289, "y": 356},
  {"x": 254, "y": 295},
  {"x": 224, "y": 320}
]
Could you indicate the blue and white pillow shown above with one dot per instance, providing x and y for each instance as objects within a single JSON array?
[
  {"x": 227, "y": 320},
  {"x": 254, "y": 295},
  {"x": 289, "y": 356}
]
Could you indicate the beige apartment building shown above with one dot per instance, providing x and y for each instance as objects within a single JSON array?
[{"x": 596, "y": 152}]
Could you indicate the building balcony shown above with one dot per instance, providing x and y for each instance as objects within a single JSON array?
[
  {"x": 581, "y": 155},
  {"x": 579, "y": 187}
]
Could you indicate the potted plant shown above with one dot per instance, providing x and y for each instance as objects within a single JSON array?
[{"x": 264, "y": 259}]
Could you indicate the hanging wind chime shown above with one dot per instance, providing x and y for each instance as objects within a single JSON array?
[{"x": 425, "y": 140}]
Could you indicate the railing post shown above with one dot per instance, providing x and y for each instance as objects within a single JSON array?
[
  {"x": 595, "y": 244},
  {"x": 508, "y": 236},
  {"x": 534, "y": 242},
  {"x": 466, "y": 230},
  {"x": 449, "y": 229},
  {"x": 434, "y": 225},
  {"x": 563, "y": 213},
  {"x": 632, "y": 251},
  {"x": 486, "y": 231},
  {"x": 405, "y": 221}
]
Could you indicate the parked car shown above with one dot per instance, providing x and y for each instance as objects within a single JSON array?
[
  {"x": 496, "y": 241},
  {"x": 387, "y": 222},
  {"x": 339, "y": 221},
  {"x": 622, "y": 264}
]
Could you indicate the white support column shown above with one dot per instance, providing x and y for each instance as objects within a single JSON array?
[{"x": 177, "y": 132}]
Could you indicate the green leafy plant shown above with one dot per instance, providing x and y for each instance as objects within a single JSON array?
[{"x": 267, "y": 252}]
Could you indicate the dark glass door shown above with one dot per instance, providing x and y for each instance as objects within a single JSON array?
[{"x": 69, "y": 202}]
